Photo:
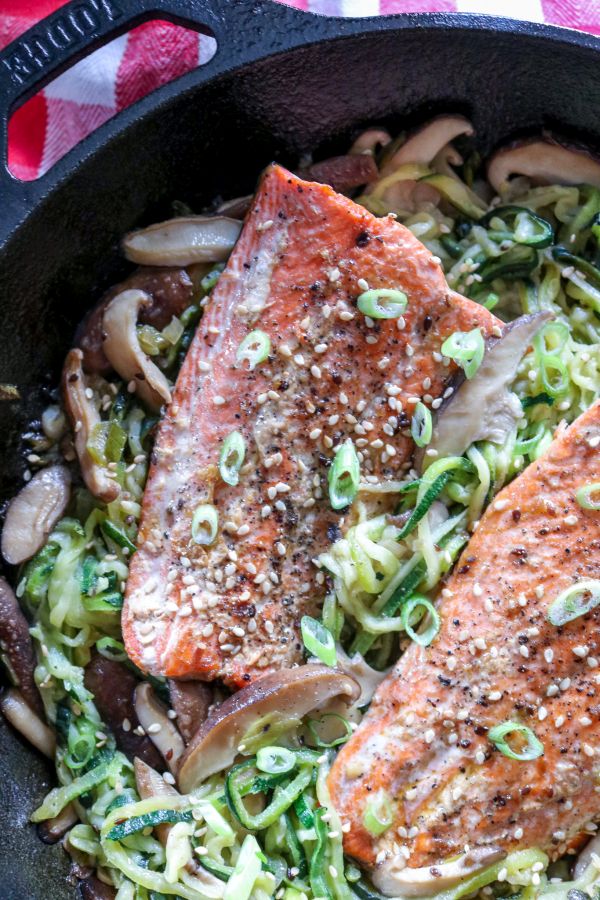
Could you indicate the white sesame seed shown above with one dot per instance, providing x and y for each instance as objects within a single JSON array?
[
  {"x": 524, "y": 651},
  {"x": 565, "y": 684},
  {"x": 429, "y": 736},
  {"x": 588, "y": 750},
  {"x": 500, "y": 505},
  {"x": 518, "y": 834},
  {"x": 346, "y": 315},
  {"x": 315, "y": 434},
  {"x": 243, "y": 530},
  {"x": 320, "y": 348},
  {"x": 315, "y": 371},
  {"x": 362, "y": 284},
  {"x": 585, "y": 721},
  {"x": 154, "y": 728},
  {"x": 480, "y": 757},
  {"x": 168, "y": 778}
]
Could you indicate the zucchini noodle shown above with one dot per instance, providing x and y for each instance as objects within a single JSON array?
[{"x": 73, "y": 588}]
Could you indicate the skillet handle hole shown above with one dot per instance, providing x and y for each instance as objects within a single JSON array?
[{"x": 72, "y": 106}]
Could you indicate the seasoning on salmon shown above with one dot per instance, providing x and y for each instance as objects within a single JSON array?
[
  {"x": 426, "y": 746},
  {"x": 231, "y": 608}
]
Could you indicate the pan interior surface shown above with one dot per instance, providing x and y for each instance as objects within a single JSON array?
[{"x": 213, "y": 140}]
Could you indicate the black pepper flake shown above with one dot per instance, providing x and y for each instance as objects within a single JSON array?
[
  {"x": 362, "y": 238},
  {"x": 427, "y": 323}
]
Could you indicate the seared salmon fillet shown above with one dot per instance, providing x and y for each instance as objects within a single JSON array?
[
  {"x": 232, "y": 610},
  {"x": 497, "y": 658}
]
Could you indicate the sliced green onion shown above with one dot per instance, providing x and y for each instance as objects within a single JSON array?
[
  {"x": 584, "y": 496},
  {"x": 573, "y": 602},
  {"x": 344, "y": 476},
  {"x": 498, "y": 736},
  {"x": 379, "y": 814},
  {"x": 466, "y": 348},
  {"x": 414, "y": 611},
  {"x": 383, "y": 303},
  {"x": 246, "y": 870},
  {"x": 205, "y": 523},
  {"x": 318, "y": 640},
  {"x": 275, "y": 760},
  {"x": 254, "y": 349},
  {"x": 319, "y": 742},
  {"x": 231, "y": 458},
  {"x": 525, "y": 226},
  {"x": 421, "y": 426},
  {"x": 110, "y": 648}
]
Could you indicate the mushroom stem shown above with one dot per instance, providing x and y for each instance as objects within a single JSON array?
[
  {"x": 122, "y": 347},
  {"x": 150, "y": 784},
  {"x": 17, "y": 647},
  {"x": 84, "y": 416},
  {"x": 394, "y": 878},
  {"x": 426, "y": 143},
  {"x": 183, "y": 241}
]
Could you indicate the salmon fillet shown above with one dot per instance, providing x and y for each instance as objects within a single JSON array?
[
  {"x": 232, "y": 610},
  {"x": 496, "y": 658}
]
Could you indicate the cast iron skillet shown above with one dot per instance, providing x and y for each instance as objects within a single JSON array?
[{"x": 281, "y": 83}]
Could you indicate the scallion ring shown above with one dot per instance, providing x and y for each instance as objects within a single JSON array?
[
  {"x": 335, "y": 742},
  {"x": 583, "y": 495},
  {"x": 383, "y": 303},
  {"x": 231, "y": 458},
  {"x": 575, "y": 601},
  {"x": 498, "y": 736},
  {"x": 415, "y": 610},
  {"x": 421, "y": 426},
  {"x": 466, "y": 348},
  {"x": 344, "y": 476},
  {"x": 379, "y": 814},
  {"x": 205, "y": 522},
  {"x": 254, "y": 349},
  {"x": 275, "y": 760},
  {"x": 318, "y": 640}
]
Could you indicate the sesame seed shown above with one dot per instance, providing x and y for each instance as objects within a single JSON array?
[
  {"x": 315, "y": 434},
  {"x": 552, "y": 690},
  {"x": 565, "y": 684},
  {"x": 243, "y": 530},
  {"x": 588, "y": 750},
  {"x": 429, "y": 736},
  {"x": 168, "y": 778},
  {"x": 315, "y": 371},
  {"x": 343, "y": 398},
  {"x": 480, "y": 757},
  {"x": 477, "y": 589},
  {"x": 524, "y": 651},
  {"x": 362, "y": 284},
  {"x": 581, "y": 651},
  {"x": 585, "y": 720},
  {"x": 500, "y": 505},
  {"x": 154, "y": 728},
  {"x": 559, "y": 721},
  {"x": 542, "y": 713},
  {"x": 320, "y": 348},
  {"x": 346, "y": 315},
  {"x": 594, "y": 442},
  {"x": 518, "y": 834},
  {"x": 548, "y": 654},
  {"x": 218, "y": 400},
  {"x": 495, "y": 695},
  {"x": 371, "y": 339}
]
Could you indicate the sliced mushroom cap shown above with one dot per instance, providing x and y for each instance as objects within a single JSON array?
[
  {"x": 171, "y": 291},
  {"x": 21, "y": 716},
  {"x": 290, "y": 694},
  {"x": 84, "y": 416},
  {"x": 367, "y": 678},
  {"x": 191, "y": 700},
  {"x": 150, "y": 784},
  {"x": 484, "y": 409},
  {"x": 52, "y": 830},
  {"x": 17, "y": 648},
  {"x": 426, "y": 143},
  {"x": 113, "y": 686},
  {"x": 395, "y": 879},
  {"x": 34, "y": 512},
  {"x": 370, "y": 140},
  {"x": 123, "y": 350},
  {"x": 545, "y": 162},
  {"x": 183, "y": 241},
  {"x": 343, "y": 173},
  {"x": 166, "y": 738}
]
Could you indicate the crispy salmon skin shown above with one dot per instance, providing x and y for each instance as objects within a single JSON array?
[
  {"x": 497, "y": 658},
  {"x": 232, "y": 610}
]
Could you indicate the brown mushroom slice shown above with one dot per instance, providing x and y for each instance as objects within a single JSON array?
[
  {"x": 123, "y": 350},
  {"x": 236, "y": 208},
  {"x": 426, "y": 143},
  {"x": 183, "y": 241},
  {"x": 84, "y": 417},
  {"x": 21, "y": 716},
  {"x": 394, "y": 879},
  {"x": 484, "y": 409},
  {"x": 545, "y": 162},
  {"x": 113, "y": 685},
  {"x": 34, "y": 512},
  {"x": 586, "y": 857},
  {"x": 191, "y": 700},
  {"x": 150, "y": 784},
  {"x": 365, "y": 675},
  {"x": 369, "y": 141},
  {"x": 161, "y": 730},
  {"x": 16, "y": 647},
  {"x": 171, "y": 291},
  {"x": 287, "y": 695},
  {"x": 343, "y": 173},
  {"x": 52, "y": 830},
  {"x": 91, "y": 888}
]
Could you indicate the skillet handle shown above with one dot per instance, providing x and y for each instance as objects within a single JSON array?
[{"x": 244, "y": 29}]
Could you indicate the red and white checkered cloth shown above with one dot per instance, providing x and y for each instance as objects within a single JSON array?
[{"x": 131, "y": 66}]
